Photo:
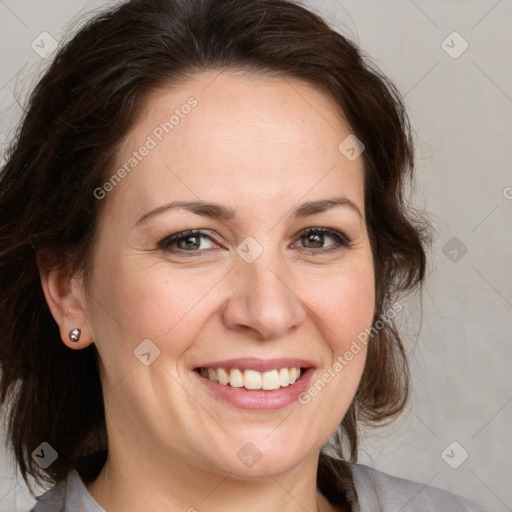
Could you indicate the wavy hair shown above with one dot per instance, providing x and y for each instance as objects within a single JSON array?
[{"x": 76, "y": 119}]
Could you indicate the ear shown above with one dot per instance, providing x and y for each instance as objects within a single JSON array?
[{"x": 65, "y": 295}]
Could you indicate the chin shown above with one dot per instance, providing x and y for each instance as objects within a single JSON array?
[
  {"x": 248, "y": 459},
  {"x": 270, "y": 464}
]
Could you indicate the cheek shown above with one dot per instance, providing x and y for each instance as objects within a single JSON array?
[
  {"x": 150, "y": 302},
  {"x": 344, "y": 303},
  {"x": 134, "y": 301}
]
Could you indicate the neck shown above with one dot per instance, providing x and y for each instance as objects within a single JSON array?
[{"x": 130, "y": 482}]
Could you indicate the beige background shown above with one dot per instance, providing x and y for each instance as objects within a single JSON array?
[{"x": 461, "y": 110}]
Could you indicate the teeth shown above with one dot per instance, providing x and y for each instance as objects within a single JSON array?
[
  {"x": 222, "y": 376},
  {"x": 251, "y": 379},
  {"x": 212, "y": 375},
  {"x": 236, "y": 379},
  {"x": 270, "y": 380},
  {"x": 284, "y": 377}
]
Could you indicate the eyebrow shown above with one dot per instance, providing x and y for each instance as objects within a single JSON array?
[{"x": 217, "y": 211}]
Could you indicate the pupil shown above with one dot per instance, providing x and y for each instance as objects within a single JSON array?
[
  {"x": 188, "y": 245},
  {"x": 317, "y": 238}
]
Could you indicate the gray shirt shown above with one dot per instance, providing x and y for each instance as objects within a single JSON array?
[{"x": 376, "y": 491}]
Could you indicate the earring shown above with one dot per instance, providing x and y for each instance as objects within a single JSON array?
[{"x": 74, "y": 335}]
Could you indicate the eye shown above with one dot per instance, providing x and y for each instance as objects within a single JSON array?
[
  {"x": 191, "y": 241},
  {"x": 315, "y": 238},
  {"x": 186, "y": 241}
]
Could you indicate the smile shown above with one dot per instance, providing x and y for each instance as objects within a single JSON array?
[
  {"x": 255, "y": 384},
  {"x": 252, "y": 379}
]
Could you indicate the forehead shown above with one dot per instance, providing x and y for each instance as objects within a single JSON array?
[{"x": 239, "y": 137}]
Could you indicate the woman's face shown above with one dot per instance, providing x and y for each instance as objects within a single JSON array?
[{"x": 254, "y": 290}]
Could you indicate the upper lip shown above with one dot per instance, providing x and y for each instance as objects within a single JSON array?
[{"x": 260, "y": 365}]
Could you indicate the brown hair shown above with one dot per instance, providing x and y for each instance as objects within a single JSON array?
[{"x": 77, "y": 117}]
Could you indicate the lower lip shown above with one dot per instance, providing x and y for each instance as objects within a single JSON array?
[{"x": 258, "y": 399}]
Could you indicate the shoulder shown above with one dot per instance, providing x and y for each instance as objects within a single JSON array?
[
  {"x": 379, "y": 491},
  {"x": 66, "y": 496},
  {"x": 52, "y": 500}
]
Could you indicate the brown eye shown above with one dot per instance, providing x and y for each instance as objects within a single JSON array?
[
  {"x": 314, "y": 239},
  {"x": 186, "y": 241},
  {"x": 189, "y": 242}
]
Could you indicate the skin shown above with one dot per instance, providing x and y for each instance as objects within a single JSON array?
[{"x": 262, "y": 146}]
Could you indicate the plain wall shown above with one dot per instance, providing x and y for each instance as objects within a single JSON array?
[{"x": 461, "y": 110}]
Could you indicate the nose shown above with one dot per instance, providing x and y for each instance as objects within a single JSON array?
[{"x": 263, "y": 299}]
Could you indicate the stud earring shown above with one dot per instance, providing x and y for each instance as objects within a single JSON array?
[{"x": 74, "y": 335}]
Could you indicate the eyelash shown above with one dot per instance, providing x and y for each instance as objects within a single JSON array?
[{"x": 342, "y": 241}]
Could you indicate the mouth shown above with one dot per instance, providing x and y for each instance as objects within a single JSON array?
[
  {"x": 253, "y": 380},
  {"x": 255, "y": 384}
]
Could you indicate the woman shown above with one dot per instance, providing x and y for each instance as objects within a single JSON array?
[{"x": 205, "y": 239}]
